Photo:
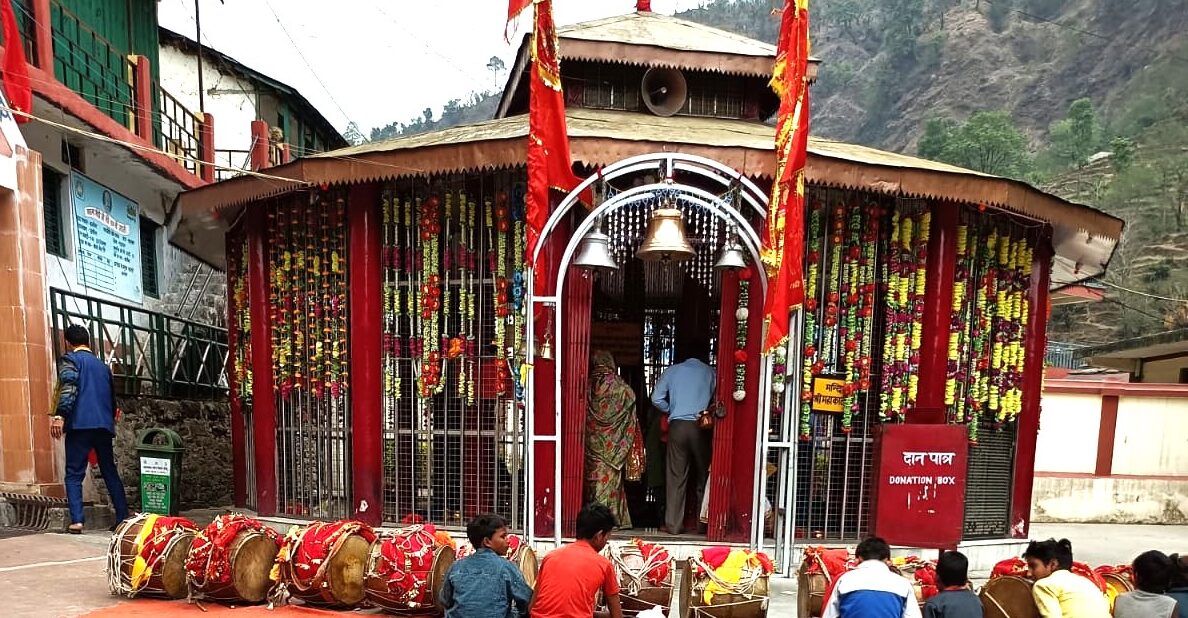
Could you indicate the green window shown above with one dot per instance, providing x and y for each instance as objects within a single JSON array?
[
  {"x": 148, "y": 257},
  {"x": 51, "y": 203}
]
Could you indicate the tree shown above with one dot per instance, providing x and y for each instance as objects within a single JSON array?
[
  {"x": 496, "y": 66},
  {"x": 353, "y": 135},
  {"x": 1123, "y": 150},
  {"x": 987, "y": 142},
  {"x": 1075, "y": 137}
]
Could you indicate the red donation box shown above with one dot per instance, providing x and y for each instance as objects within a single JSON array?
[{"x": 921, "y": 485}]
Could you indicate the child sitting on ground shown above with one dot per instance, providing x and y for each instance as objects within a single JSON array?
[
  {"x": 571, "y": 577},
  {"x": 485, "y": 584},
  {"x": 1152, "y": 573},
  {"x": 955, "y": 600},
  {"x": 1059, "y": 593}
]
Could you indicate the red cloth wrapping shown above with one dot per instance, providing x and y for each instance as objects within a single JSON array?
[
  {"x": 1084, "y": 570},
  {"x": 303, "y": 554},
  {"x": 405, "y": 560},
  {"x": 210, "y": 560},
  {"x": 1013, "y": 567},
  {"x": 831, "y": 562},
  {"x": 925, "y": 577},
  {"x": 657, "y": 575},
  {"x": 1125, "y": 570},
  {"x": 164, "y": 529}
]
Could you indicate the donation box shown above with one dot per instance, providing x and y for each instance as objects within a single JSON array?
[{"x": 921, "y": 485}]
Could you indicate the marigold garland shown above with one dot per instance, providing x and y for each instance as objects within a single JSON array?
[{"x": 741, "y": 314}]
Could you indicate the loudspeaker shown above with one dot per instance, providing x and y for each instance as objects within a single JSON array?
[{"x": 663, "y": 91}]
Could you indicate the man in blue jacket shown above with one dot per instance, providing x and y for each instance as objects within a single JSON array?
[{"x": 85, "y": 414}]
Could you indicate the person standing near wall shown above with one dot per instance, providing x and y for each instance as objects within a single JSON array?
[
  {"x": 84, "y": 413},
  {"x": 683, "y": 393}
]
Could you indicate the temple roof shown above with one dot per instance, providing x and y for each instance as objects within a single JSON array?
[
  {"x": 1083, "y": 237},
  {"x": 656, "y": 30}
]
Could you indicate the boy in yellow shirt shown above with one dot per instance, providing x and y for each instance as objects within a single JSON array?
[{"x": 1059, "y": 593}]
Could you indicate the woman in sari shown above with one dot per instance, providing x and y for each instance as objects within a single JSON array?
[{"x": 611, "y": 429}]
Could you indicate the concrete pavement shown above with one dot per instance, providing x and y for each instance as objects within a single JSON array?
[{"x": 52, "y": 575}]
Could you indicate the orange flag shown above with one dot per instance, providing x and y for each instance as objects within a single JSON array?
[
  {"x": 783, "y": 248},
  {"x": 549, "y": 166},
  {"x": 17, "y": 86}
]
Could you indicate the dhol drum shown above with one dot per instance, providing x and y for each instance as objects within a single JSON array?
[
  {"x": 231, "y": 560},
  {"x": 406, "y": 569},
  {"x": 147, "y": 556},
  {"x": 1117, "y": 581},
  {"x": 518, "y": 551},
  {"x": 323, "y": 563},
  {"x": 645, "y": 572},
  {"x": 726, "y": 583},
  {"x": 1008, "y": 596},
  {"x": 820, "y": 567}
]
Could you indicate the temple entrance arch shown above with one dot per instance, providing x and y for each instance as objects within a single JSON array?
[{"x": 717, "y": 203}]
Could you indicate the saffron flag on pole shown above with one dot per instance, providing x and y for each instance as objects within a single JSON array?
[
  {"x": 783, "y": 248},
  {"x": 17, "y": 87},
  {"x": 549, "y": 166}
]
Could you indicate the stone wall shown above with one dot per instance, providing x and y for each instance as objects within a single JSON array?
[
  {"x": 205, "y": 429},
  {"x": 1110, "y": 500}
]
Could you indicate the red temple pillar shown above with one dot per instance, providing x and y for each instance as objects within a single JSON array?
[
  {"x": 1033, "y": 381},
  {"x": 263, "y": 395},
  {"x": 260, "y": 144},
  {"x": 578, "y": 291},
  {"x": 206, "y": 147},
  {"x": 143, "y": 98},
  {"x": 366, "y": 327},
  {"x": 44, "y": 36},
  {"x": 938, "y": 312}
]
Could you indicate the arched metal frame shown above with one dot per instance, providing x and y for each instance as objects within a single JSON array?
[{"x": 667, "y": 164}]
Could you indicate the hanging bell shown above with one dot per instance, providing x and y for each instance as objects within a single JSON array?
[
  {"x": 545, "y": 351},
  {"x": 594, "y": 252},
  {"x": 731, "y": 256},
  {"x": 665, "y": 239}
]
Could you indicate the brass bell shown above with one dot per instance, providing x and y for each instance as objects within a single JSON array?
[
  {"x": 731, "y": 256},
  {"x": 665, "y": 240},
  {"x": 594, "y": 252},
  {"x": 546, "y": 350}
]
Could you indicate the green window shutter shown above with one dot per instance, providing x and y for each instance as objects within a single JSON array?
[
  {"x": 51, "y": 203},
  {"x": 148, "y": 257}
]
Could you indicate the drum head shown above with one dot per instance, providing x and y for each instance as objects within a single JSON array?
[
  {"x": 172, "y": 568},
  {"x": 344, "y": 574},
  {"x": 1119, "y": 583},
  {"x": 528, "y": 565},
  {"x": 443, "y": 559},
  {"x": 1008, "y": 597},
  {"x": 252, "y": 555}
]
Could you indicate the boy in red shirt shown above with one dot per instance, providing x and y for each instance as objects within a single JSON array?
[{"x": 571, "y": 576}]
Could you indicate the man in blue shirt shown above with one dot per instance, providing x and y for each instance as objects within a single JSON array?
[
  {"x": 683, "y": 392},
  {"x": 871, "y": 590},
  {"x": 485, "y": 584},
  {"x": 85, "y": 414}
]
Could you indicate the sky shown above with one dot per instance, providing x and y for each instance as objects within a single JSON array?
[{"x": 375, "y": 61}]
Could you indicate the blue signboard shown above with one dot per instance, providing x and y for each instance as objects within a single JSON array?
[{"x": 108, "y": 232}]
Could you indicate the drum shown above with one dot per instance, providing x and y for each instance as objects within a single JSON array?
[
  {"x": 708, "y": 597},
  {"x": 645, "y": 572},
  {"x": 1008, "y": 596},
  {"x": 147, "y": 556},
  {"x": 323, "y": 563},
  {"x": 231, "y": 560},
  {"x": 518, "y": 551},
  {"x": 406, "y": 569},
  {"x": 1117, "y": 583},
  {"x": 810, "y": 593}
]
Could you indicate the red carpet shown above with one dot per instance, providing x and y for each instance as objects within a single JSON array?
[{"x": 163, "y": 609}]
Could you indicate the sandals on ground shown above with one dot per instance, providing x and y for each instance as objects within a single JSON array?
[{"x": 75, "y": 529}]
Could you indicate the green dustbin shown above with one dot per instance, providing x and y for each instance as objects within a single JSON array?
[{"x": 160, "y": 470}]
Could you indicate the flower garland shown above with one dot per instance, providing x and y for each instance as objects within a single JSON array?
[
  {"x": 811, "y": 282},
  {"x": 501, "y": 224},
  {"x": 241, "y": 318},
  {"x": 429, "y": 297},
  {"x": 741, "y": 313},
  {"x": 959, "y": 336},
  {"x": 907, "y": 260}
]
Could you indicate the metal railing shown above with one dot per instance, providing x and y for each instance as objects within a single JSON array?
[
  {"x": 237, "y": 159},
  {"x": 90, "y": 65},
  {"x": 1064, "y": 355},
  {"x": 150, "y": 353},
  {"x": 178, "y": 131}
]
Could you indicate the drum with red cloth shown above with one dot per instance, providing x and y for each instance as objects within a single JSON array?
[
  {"x": 147, "y": 556},
  {"x": 922, "y": 574},
  {"x": 819, "y": 569},
  {"x": 1118, "y": 580},
  {"x": 323, "y": 563},
  {"x": 518, "y": 551},
  {"x": 1008, "y": 596},
  {"x": 645, "y": 572},
  {"x": 726, "y": 582},
  {"x": 231, "y": 560},
  {"x": 406, "y": 569}
]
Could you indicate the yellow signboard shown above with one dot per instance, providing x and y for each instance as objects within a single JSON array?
[{"x": 828, "y": 394}]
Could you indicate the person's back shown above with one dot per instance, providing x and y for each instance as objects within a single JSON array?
[
  {"x": 94, "y": 406},
  {"x": 1177, "y": 588},
  {"x": 872, "y": 590},
  {"x": 571, "y": 576},
  {"x": 485, "y": 584},
  {"x": 1152, "y": 573},
  {"x": 955, "y": 600},
  {"x": 1058, "y": 592},
  {"x": 685, "y": 389}
]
